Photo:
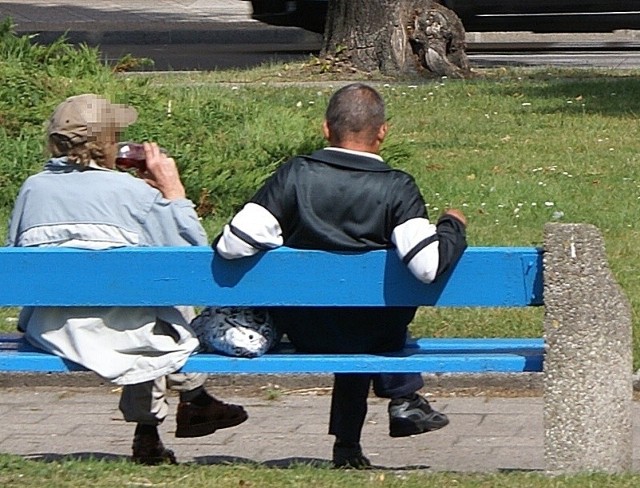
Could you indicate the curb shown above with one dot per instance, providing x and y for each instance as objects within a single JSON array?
[{"x": 158, "y": 33}]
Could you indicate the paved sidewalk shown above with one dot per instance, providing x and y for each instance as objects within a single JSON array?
[
  {"x": 52, "y": 14},
  {"x": 486, "y": 433},
  {"x": 103, "y": 22}
]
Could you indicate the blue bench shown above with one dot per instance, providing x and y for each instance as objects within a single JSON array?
[
  {"x": 586, "y": 353},
  {"x": 484, "y": 277}
]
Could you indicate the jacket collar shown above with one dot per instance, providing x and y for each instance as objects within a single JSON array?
[
  {"x": 62, "y": 165},
  {"x": 350, "y": 159}
]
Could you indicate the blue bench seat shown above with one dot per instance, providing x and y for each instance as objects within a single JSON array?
[{"x": 421, "y": 356}]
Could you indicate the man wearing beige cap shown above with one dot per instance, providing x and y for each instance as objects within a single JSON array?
[{"x": 81, "y": 201}]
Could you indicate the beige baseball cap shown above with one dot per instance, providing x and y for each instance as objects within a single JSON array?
[{"x": 83, "y": 117}]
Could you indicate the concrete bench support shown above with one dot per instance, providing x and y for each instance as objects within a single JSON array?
[{"x": 588, "y": 362}]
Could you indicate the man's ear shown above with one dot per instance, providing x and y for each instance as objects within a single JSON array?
[
  {"x": 382, "y": 132},
  {"x": 325, "y": 131}
]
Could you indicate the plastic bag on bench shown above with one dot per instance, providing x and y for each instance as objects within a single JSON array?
[{"x": 235, "y": 331}]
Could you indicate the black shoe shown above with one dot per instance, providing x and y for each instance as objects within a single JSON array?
[
  {"x": 349, "y": 456},
  {"x": 149, "y": 450},
  {"x": 410, "y": 416},
  {"x": 195, "y": 421}
]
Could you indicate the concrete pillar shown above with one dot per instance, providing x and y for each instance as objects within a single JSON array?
[{"x": 588, "y": 362}]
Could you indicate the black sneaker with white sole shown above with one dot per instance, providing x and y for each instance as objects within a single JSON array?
[{"x": 414, "y": 415}]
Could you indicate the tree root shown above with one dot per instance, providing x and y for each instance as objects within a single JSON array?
[{"x": 437, "y": 38}]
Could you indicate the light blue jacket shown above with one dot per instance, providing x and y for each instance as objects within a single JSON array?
[{"x": 95, "y": 208}]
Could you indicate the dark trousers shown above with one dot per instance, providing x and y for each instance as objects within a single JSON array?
[
  {"x": 349, "y": 399},
  {"x": 352, "y": 330}
]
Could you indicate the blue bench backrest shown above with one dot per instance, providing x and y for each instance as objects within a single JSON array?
[{"x": 484, "y": 277}]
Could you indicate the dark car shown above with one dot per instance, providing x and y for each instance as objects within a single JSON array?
[
  {"x": 308, "y": 14},
  {"x": 484, "y": 15},
  {"x": 547, "y": 15}
]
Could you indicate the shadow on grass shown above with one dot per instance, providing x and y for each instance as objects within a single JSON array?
[
  {"x": 606, "y": 95},
  {"x": 76, "y": 456},
  {"x": 292, "y": 462},
  {"x": 285, "y": 463}
]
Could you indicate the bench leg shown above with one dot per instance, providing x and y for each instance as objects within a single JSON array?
[{"x": 588, "y": 362}]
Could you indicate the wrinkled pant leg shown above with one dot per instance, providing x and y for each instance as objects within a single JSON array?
[
  {"x": 145, "y": 403},
  {"x": 183, "y": 382},
  {"x": 189, "y": 385},
  {"x": 396, "y": 385},
  {"x": 349, "y": 406}
]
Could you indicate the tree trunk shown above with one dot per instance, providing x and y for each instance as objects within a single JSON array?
[{"x": 396, "y": 36}]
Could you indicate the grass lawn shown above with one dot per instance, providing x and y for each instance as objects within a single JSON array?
[{"x": 16, "y": 472}]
